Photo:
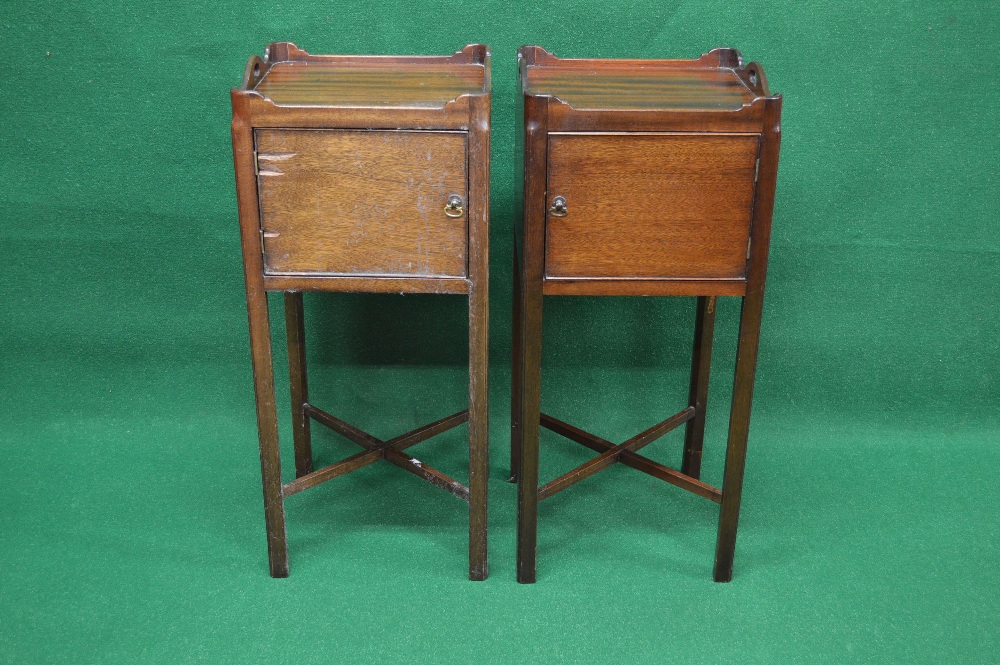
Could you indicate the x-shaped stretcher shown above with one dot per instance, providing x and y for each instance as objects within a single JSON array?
[
  {"x": 626, "y": 453},
  {"x": 376, "y": 449}
]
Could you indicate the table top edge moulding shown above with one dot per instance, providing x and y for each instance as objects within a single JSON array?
[
  {"x": 448, "y": 108},
  {"x": 289, "y": 77},
  {"x": 720, "y": 77},
  {"x": 586, "y": 92}
]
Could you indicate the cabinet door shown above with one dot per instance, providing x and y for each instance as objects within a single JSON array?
[
  {"x": 360, "y": 202},
  {"x": 650, "y": 205}
]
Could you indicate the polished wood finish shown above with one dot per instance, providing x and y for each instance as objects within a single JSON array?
[
  {"x": 701, "y": 368},
  {"x": 298, "y": 383},
  {"x": 356, "y": 202},
  {"x": 595, "y": 286},
  {"x": 515, "y": 379},
  {"x": 479, "y": 332},
  {"x": 369, "y": 174},
  {"x": 409, "y": 109},
  {"x": 532, "y": 243},
  {"x": 366, "y": 284},
  {"x": 613, "y": 454},
  {"x": 378, "y": 84},
  {"x": 393, "y": 454},
  {"x": 642, "y": 178},
  {"x": 625, "y": 86},
  {"x": 633, "y": 459},
  {"x": 370, "y": 455},
  {"x": 749, "y": 339},
  {"x": 650, "y": 205},
  {"x": 715, "y": 81},
  {"x": 260, "y": 348}
]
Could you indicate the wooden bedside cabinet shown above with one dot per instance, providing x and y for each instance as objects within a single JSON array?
[
  {"x": 371, "y": 174},
  {"x": 642, "y": 178}
]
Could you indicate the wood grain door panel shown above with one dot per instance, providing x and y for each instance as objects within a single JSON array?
[
  {"x": 650, "y": 205},
  {"x": 362, "y": 202}
]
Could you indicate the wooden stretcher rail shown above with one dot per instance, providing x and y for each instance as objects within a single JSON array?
[
  {"x": 611, "y": 455},
  {"x": 632, "y": 459},
  {"x": 390, "y": 450}
]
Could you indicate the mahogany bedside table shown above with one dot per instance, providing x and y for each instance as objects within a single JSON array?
[
  {"x": 363, "y": 173},
  {"x": 642, "y": 178}
]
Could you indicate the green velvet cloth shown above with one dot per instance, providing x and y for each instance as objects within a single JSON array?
[{"x": 132, "y": 523}]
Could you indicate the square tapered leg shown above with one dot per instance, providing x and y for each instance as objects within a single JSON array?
[
  {"x": 701, "y": 364},
  {"x": 530, "y": 414},
  {"x": 296, "y": 333},
  {"x": 267, "y": 427},
  {"x": 478, "y": 434},
  {"x": 739, "y": 431},
  {"x": 515, "y": 379}
]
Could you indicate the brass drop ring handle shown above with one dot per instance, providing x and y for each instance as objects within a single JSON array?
[
  {"x": 558, "y": 208},
  {"x": 454, "y": 207}
]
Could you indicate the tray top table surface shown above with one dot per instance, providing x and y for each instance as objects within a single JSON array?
[
  {"x": 637, "y": 84},
  {"x": 373, "y": 82}
]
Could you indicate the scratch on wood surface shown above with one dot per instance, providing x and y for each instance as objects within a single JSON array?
[
  {"x": 275, "y": 156},
  {"x": 271, "y": 234},
  {"x": 268, "y": 172}
]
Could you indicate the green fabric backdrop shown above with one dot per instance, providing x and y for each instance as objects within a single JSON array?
[{"x": 132, "y": 524}]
